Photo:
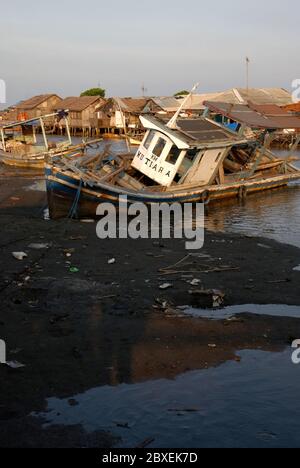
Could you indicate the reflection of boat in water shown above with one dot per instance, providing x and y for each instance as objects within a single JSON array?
[
  {"x": 19, "y": 146},
  {"x": 190, "y": 160}
]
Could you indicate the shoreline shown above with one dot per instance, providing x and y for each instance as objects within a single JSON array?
[{"x": 77, "y": 322}]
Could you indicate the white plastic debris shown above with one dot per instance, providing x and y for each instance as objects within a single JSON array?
[
  {"x": 297, "y": 268},
  {"x": 112, "y": 261},
  {"x": 218, "y": 298},
  {"x": 39, "y": 246},
  {"x": 15, "y": 365},
  {"x": 165, "y": 286},
  {"x": 46, "y": 215},
  {"x": 19, "y": 255},
  {"x": 195, "y": 282}
]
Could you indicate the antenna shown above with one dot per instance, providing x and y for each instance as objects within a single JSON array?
[
  {"x": 172, "y": 123},
  {"x": 144, "y": 90}
]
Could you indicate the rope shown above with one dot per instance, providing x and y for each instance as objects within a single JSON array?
[{"x": 74, "y": 207}]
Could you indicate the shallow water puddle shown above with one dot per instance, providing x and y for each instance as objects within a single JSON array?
[
  {"x": 273, "y": 214},
  {"x": 274, "y": 310},
  {"x": 252, "y": 403}
]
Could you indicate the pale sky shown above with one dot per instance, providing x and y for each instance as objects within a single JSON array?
[{"x": 66, "y": 46}]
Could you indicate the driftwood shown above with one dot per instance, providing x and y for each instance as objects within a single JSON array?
[{"x": 171, "y": 270}]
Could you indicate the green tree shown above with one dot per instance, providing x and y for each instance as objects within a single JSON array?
[
  {"x": 182, "y": 93},
  {"x": 94, "y": 92}
]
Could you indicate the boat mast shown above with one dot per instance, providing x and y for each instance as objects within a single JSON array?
[
  {"x": 124, "y": 125},
  {"x": 172, "y": 123}
]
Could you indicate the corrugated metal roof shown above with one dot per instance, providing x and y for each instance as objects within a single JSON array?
[
  {"x": 276, "y": 96},
  {"x": 35, "y": 101},
  {"x": 78, "y": 104},
  {"x": 134, "y": 105},
  {"x": 127, "y": 104},
  {"x": 168, "y": 104},
  {"x": 203, "y": 130},
  {"x": 257, "y": 116},
  {"x": 196, "y": 101}
]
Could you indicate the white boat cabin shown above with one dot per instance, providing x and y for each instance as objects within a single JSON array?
[{"x": 191, "y": 153}]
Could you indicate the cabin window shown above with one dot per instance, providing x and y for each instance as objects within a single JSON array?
[
  {"x": 173, "y": 155},
  {"x": 149, "y": 140},
  {"x": 159, "y": 147},
  {"x": 191, "y": 154}
]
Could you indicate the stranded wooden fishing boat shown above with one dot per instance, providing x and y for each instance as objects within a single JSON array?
[
  {"x": 20, "y": 146},
  {"x": 224, "y": 154}
]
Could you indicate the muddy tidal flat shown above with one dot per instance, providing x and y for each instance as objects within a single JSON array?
[{"x": 110, "y": 357}]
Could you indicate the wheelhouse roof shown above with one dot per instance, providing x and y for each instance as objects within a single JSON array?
[
  {"x": 193, "y": 132},
  {"x": 265, "y": 117}
]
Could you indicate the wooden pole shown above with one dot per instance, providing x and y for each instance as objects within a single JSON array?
[
  {"x": 247, "y": 74},
  {"x": 68, "y": 130},
  {"x": 3, "y": 140},
  {"x": 44, "y": 134}
]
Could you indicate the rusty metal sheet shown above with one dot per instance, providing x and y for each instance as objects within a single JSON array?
[{"x": 257, "y": 116}]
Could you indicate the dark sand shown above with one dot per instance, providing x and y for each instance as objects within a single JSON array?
[{"x": 105, "y": 324}]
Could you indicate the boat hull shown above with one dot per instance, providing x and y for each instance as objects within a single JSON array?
[
  {"x": 25, "y": 163},
  {"x": 69, "y": 197}
]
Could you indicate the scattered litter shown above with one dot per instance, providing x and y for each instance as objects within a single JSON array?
[
  {"x": 19, "y": 255},
  {"x": 14, "y": 198},
  {"x": 214, "y": 296},
  {"x": 165, "y": 286},
  {"x": 68, "y": 252},
  {"x": 297, "y": 268},
  {"x": 264, "y": 246},
  {"x": 122, "y": 425},
  {"x": 46, "y": 214},
  {"x": 218, "y": 298},
  {"x": 15, "y": 365},
  {"x": 74, "y": 270},
  {"x": 182, "y": 267},
  {"x": 112, "y": 261},
  {"x": 77, "y": 238},
  {"x": 87, "y": 221},
  {"x": 213, "y": 346},
  {"x": 195, "y": 282},
  {"x": 39, "y": 246}
]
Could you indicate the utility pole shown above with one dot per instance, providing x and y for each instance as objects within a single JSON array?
[
  {"x": 247, "y": 73},
  {"x": 144, "y": 90}
]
